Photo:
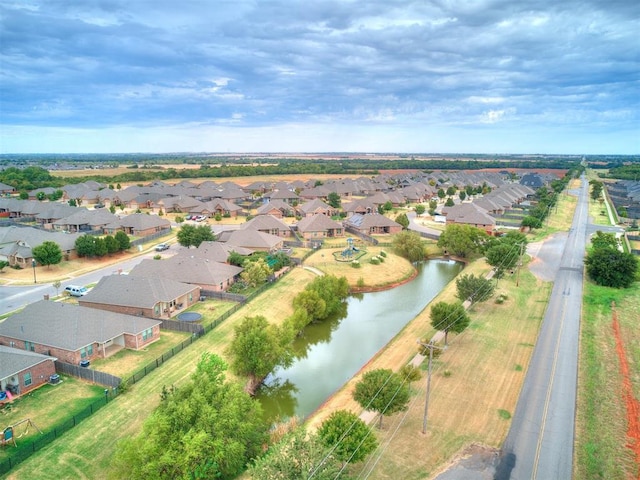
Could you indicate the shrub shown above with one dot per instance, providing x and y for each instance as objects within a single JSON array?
[
  {"x": 355, "y": 264},
  {"x": 179, "y": 219},
  {"x": 360, "y": 282},
  {"x": 382, "y": 253},
  {"x": 157, "y": 257},
  {"x": 374, "y": 261}
]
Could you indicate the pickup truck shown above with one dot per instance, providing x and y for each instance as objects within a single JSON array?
[{"x": 161, "y": 247}]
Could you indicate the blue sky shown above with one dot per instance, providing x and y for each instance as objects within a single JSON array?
[{"x": 485, "y": 76}]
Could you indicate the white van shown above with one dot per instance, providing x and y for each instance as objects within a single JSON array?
[{"x": 75, "y": 291}]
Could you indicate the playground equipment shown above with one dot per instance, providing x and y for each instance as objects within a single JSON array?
[
  {"x": 350, "y": 250},
  {"x": 8, "y": 435}
]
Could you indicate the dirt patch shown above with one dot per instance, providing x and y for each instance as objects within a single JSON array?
[
  {"x": 632, "y": 404},
  {"x": 475, "y": 461}
]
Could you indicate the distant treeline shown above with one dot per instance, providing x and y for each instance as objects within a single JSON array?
[
  {"x": 32, "y": 177},
  {"x": 624, "y": 172}
]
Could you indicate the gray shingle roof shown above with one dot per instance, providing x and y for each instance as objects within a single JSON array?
[
  {"x": 70, "y": 327},
  {"x": 141, "y": 292},
  {"x": 187, "y": 269},
  {"x": 14, "y": 360}
]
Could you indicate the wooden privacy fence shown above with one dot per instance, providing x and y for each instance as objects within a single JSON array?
[{"x": 88, "y": 374}]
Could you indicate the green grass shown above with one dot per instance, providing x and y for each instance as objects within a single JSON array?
[
  {"x": 504, "y": 414},
  {"x": 601, "y": 417}
]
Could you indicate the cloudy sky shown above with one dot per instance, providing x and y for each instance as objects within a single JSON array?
[{"x": 484, "y": 76}]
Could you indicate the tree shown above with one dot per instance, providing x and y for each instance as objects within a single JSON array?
[
  {"x": 409, "y": 245},
  {"x": 463, "y": 240},
  {"x": 255, "y": 273},
  {"x": 403, "y": 220},
  {"x": 333, "y": 290},
  {"x": 382, "y": 391},
  {"x": 190, "y": 235},
  {"x": 596, "y": 188},
  {"x": 419, "y": 209},
  {"x": 205, "y": 429},
  {"x": 387, "y": 206},
  {"x": 449, "y": 317},
  {"x": 312, "y": 303},
  {"x": 611, "y": 268},
  {"x": 257, "y": 348},
  {"x": 462, "y": 195},
  {"x": 451, "y": 190},
  {"x": 441, "y": 193},
  {"x": 123, "y": 240},
  {"x": 348, "y": 436},
  {"x": 502, "y": 257},
  {"x": 531, "y": 222},
  {"x": 100, "y": 247},
  {"x": 298, "y": 321},
  {"x": 85, "y": 246},
  {"x": 333, "y": 199},
  {"x": 41, "y": 196},
  {"x": 605, "y": 240},
  {"x": 475, "y": 289},
  {"x": 3, "y": 263},
  {"x": 111, "y": 244},
  {"x": 47, "y": 253},
  {"x": 236, "y": 259},
  {"x": 449, "y": 202},
  {"x": 23, "y": 195},
  {"x": 296, "y": 457}
]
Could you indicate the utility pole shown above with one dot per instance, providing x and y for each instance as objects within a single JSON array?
[
  {"x": 430, "y": 346},
  {"x": 519, "y": 264}
]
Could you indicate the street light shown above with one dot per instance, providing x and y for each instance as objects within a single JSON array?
[
  {"x": 33, "y": 264},
  {"x": 430, "y": 346}
]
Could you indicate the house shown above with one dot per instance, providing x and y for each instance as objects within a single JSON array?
[
  {"x": 151, "y": 297},
  {"x": 277, "y": 209},
  {"x": 6, "y": 189},
  {"x": 16, "y": 244},
  {"x": 85, "y": 220},
  {"x": 268, "y": 224},
  {"x": 373, "y": 224},
  {"x": 22, "y": 371},
  {"x": 217, "y": 206},
  {"x": 362, "y": 206},
  {"x": 532, "y": 180},
  {"x": 73, "y": 333},
  {"x": 284, "y": 195},
  {"x": 139, "y": 225},
  {"x": 314, "y": 207},
  {"x": 319, "y": 226},
  {"x": 207, "y": 274},
  {"x": 214, "y": 251},
  {"x": 470, "y": 214},
  {"x": 252, "y": 239}
]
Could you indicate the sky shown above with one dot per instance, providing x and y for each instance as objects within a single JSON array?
[{"x": 427, "y": 76}]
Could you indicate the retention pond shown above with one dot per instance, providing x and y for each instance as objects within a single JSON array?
[{"x": 331, "y": 352}]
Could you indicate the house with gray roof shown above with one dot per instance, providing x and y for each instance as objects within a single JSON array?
[
  {"x": 6, "y": 189},
  {"x": 268, "y": 224},
  {"x": 85, "y": 220},
  {"x": 372, "y": 224},
  {"x": 151, "y": 297},
  {"x": 22, "y": 371},
  {"x": 276, "y": 208},
  {"x": 316, "y": 206},
  {"x": 138, "y": 224},
  {"x": 470, "y": 214},
  {"x": 319, "y": 226},
  {"x": 252, "y": 239},
  {"x": 73, "y": 333},
  {"x": 195, "y": 270},
  {"x": 214, "y": 251},
  {"x": 16, "y": 244}
]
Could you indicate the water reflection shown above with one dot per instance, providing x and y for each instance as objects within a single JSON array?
[{"x": 330, "y": 353}]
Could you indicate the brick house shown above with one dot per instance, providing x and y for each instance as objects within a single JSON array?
[
  {"x": 23, "y": 371},
  {"x": 319, "y": 226},
  {"x": 373, "y": 224},
  {"x": 73, "y": 333},
  {"x": 151, "y": 297}
]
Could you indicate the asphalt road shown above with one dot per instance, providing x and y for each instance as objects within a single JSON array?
[{"x": 540, "y": 441}]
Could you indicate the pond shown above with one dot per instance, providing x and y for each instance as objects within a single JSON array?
[{"x": 331, "y": 352}]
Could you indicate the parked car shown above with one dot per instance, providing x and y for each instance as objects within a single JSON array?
[
  {"x": 200, "y": 218},
  {"x": 161, "y": 247},
  {"x": 75, "y": 290}
]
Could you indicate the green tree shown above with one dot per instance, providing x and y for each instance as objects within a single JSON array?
[
  {"x": 100, "y": 247},
  {"x": 24, "y": 196},
  {"x": 419, "y": 209},
  {"x": 256, "y": 273},
  {"x": 312, "y": 303},
  {"x": 257, "y": 348},
  {"x": 236, "y": 259},
  {"x": 3, "y": 263},
  {"x": 462, "y": 194},
  {"x": 123, "y": 240},
  {"x": 298, "y": 456},
  {"x": 441, "y": 193},
  {"x": 604, "y": 240},
  {"x": 382, "y": 391},
  {"x": 72, "y": 202},
  {"x": 85, "y": 246},
  {"x": 531, "y": 222},
  {"x": 449, "y": 202},
  {"x": 502, "y": 257},
  {"x": 403, "y": 220},
  {"x": 47, "y": 253},
  {"x": 333, "y": 199},
  {"x": 333, "y": 290},
  {"x": 463, "y": 240},
  {"x": 449, "y": 317},
  {"x": 112, "y": 244},
  {"x": 469, "y": 190},
  {"x": 476, "y": 289},
  {"x": 409, "y": 245},
  {"x": 451, "y": 191},
  {"x": 387, "y": 206},
  {"x": 205, "y": 429},
  {"x": 596, "y": 189},
  {"x": 190, "y": 235},
  {"x": 112, "y": 209},
  {"x": 298, "y": 321},
  {"x": 41, "y": 196},
  {"x": 611, "y": 268},
  {"x": 348, "y": 436}
]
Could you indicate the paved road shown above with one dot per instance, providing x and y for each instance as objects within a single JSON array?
[{"x": 540, "y": 442}]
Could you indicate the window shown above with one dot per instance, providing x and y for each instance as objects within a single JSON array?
[
  {"x": 147, "y": 334},
  {"x": 29, "y": 346},
  {"x": 27, "y": 379},
  {"x": 83, "y": 352},
  {"x": 190, "y": 297},
  {"x": 90, "y": 350}
]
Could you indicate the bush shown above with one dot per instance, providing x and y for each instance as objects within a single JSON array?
[
  {"x": 360, "y": 282},
  {"x": 355, "y": 264},
  {"x": 157, "y": 257},
  {"x": 179, "y": 219},
  {"x": 382, "y": 253},
  {"x": 374, "y": 261}
]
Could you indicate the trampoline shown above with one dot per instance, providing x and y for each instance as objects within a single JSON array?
[{"x": 189, "y": 317}]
